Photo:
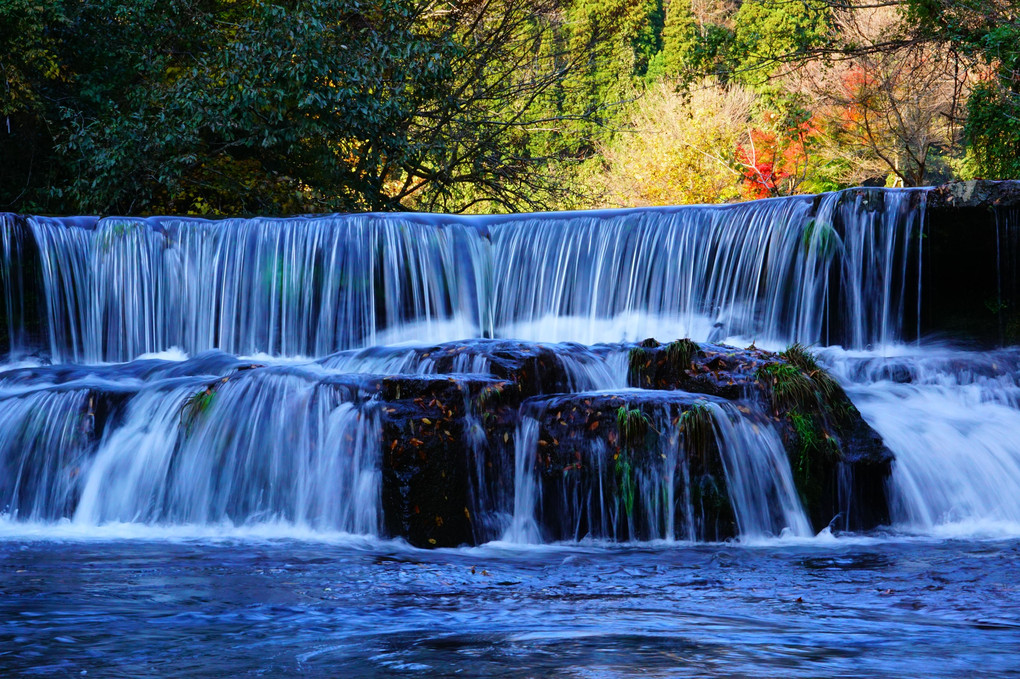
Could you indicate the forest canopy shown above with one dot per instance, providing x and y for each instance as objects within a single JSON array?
[{"x": 221, "y": 107}]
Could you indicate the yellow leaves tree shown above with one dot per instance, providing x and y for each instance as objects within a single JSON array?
[{"x": 678, "y": 147}]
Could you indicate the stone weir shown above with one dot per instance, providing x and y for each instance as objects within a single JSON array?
[{"x": 452, "y": 444}]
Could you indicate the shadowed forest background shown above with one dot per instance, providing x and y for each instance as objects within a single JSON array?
[{"x": 219, "y": 107}]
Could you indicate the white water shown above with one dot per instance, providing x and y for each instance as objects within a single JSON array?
[
  {"x": 824, "y": 270},
  {"x": 43, "y": 448},
  {"x": 758, "y": 476},
  {"x": 269, "y": 449},
  {"x": 763, "y": 271},
  {"x": 524, "y": 528},
  {"x": 286, "y": 287},
  {"x": 955, "y": 430}
]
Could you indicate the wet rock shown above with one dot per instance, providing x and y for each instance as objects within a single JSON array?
[
  {"x": 710, "y": 369},
  {"x": 981, "y": 193},
  {"x": 622, "y": 466},
  {"x": 840, "y": 464},
  {"x": 639, "y": 465},
  {"x": 971, "y": 284},
  {"x": 626, "y": 464},
  {"x": 534, "y": 368},
  {"x": 427, "y": 457}
]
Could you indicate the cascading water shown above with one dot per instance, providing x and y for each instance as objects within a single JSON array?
[
  {"x": 761, "y": 486},
  {"x": 319, "y": 303},
  {"x": 118, "y": 288},
  {"x": 653, "y": 492},
  {"x": 44, "y": 444},
  {"x": 952, "y": 418},
  {"x": 121, "y": 288},
  {"x": 242, "y": 449},
  {"x": 275, "y": 448}
]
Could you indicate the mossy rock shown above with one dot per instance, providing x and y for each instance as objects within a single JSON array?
[
  {"x": 827, "y": 442},
  {"x": 608, "y": 463}
]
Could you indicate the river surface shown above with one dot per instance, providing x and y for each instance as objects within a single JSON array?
[{"x": 255, "y": 605}]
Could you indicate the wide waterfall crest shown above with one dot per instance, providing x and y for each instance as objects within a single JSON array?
[
  {"x": 325, "y": 307},
  {"x": 791, "y": 269}
]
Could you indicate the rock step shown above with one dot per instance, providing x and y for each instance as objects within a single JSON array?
[{"x": 448, "y": 438}]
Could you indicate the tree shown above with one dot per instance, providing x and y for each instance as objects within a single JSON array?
[
  {"x": 241, "y": 106},
  {"x": 30, "y": 70},
  {"x": 771, "y": 33},
  {"x": 892, "y": 105},
  {"x": 679, "y": 147},
  {"x": 988, "y": 32},
  {"x": 695, "y": 39}
]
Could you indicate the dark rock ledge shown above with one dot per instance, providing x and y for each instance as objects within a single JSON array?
[{"x": 634, "y": 462}]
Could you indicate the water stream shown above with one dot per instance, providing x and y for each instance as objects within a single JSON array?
[{"x": 138, "y": 539}]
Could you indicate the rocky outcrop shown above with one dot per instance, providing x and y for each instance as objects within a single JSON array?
[
  {"x": 601, "y": 459},
  {"x": 637, "y": 465},
  {"x": 470, "y": 422},
  {"x": 979, "y": 193},
  {"x": 824, "y": 434}
]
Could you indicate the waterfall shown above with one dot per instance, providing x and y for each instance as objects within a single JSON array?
[
  {"x": 792, "y": 269},
  {"x": 758, "y": 476},
  {"x": 651, "y": 493},
  {"x": 251, "y": 448},
  {"x": 952, "y": 419},
  {"x": 98, "y": 425},
  {"x": 44, "y": 447},
  {"x": 524, "y": 528},
  {"x": 308, "y": 287}
]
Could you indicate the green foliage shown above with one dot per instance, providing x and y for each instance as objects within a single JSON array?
[
  {"x": 698, "y": 429},
  {"x": 675, "y": 357},
  {"x": 993, "y": 130},
  {"x": 28, "y": 53},
  {"x": 988, "y": 31},
  {"x": 613, "y": 43},
  {"x": 195, "y": 407},
  {"x": 31, "y": 79},
  {"x": 808, "y": 442},
  {"x": 634, "y": 431},
  {"x": 638, "y": 360},
  {"x": 245, "y": 106},
  {"x": 788, "y": 386},
  {"x": 625, "y": 483},
  {"x": 633, "y": 428},
  {"x": 799, "y": 384},
  {"x": 831, "y": 395},
  {"x": 768, "y": 33},
  {"x": 260, "y": 106},
  {"x": 820, "y": 235},
  {"x": 680, "y": 353}
]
